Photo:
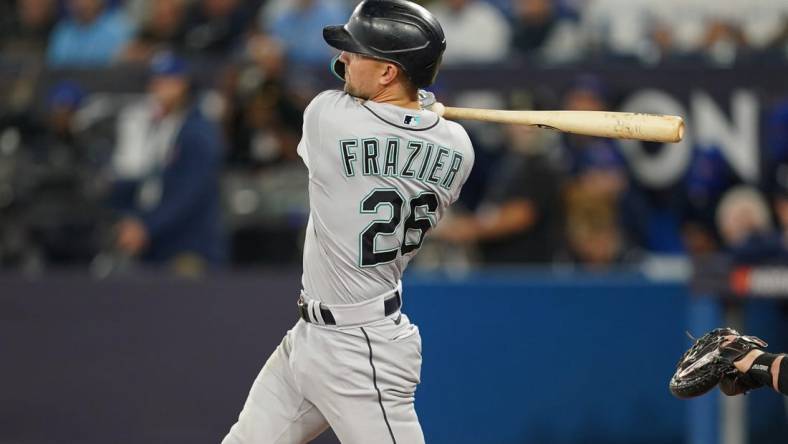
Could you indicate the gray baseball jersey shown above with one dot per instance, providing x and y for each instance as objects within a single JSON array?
[{"x": 380, "y": 177}]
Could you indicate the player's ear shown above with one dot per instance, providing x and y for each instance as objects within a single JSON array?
[{"x": 390, "y": 73}]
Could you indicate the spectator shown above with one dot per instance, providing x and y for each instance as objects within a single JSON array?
[
  {"x": 546, "y": 29},
  {"x": 745, "y": 225},
  {"x": 91, "y": 35},
  {"x": 216, "y": 26},
  {"x": 25, "y": 29},
  {"x": 54, "y": 208},
  {"x": 534, "y": 21},
  {"x": 56, "y": 136},
  {"x": 619, "y": 27},
  {"x": 742, "y": 212},
  {"x": 596, "y": 186},
  {"x": 708, "y": 177},
  {"x": 476, "y": 31},
  {"x": 162, "y": 29},
  {"x": 718, "y": 30},
  {"x": 167, "y": 166},
  {"x": 594, "y": 236},
  {"x": 64, "y": 101},
  {"x": 268, "y": 56},
  {"x": 596, "y": 164},
  {"x": 680, "y": 26},
  {"x": 519, "y": 220},
  {"x": 268, "y": 127},
  {"x": 763, "y": 24},
  {"x": 299, "y": 27},
  {"x": 263, "y": 119}
]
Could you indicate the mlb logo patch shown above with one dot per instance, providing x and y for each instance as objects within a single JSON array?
[{"x": 411, "y": 120}]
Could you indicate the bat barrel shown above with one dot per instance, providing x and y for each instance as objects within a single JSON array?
[{"x": 618, "y": 125}]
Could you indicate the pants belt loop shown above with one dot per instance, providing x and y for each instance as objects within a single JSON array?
[
  {"x": 310, "y": 311},
  {"x": 317, "y": 313}
]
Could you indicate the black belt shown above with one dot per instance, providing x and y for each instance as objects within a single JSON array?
[{"x": 390, "y": 306}]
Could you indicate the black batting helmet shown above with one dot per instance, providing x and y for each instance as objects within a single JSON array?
[{"x": 397, "y": 31}]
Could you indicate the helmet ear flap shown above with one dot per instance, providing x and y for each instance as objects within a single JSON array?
[{"x": 337, "y": 67}]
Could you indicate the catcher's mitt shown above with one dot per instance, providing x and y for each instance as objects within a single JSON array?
[
  {"x": 736, "y": 384},
  {"x": 708, "y": 361}
]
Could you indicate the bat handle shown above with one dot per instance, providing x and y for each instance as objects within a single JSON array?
[{"x": 438, "y": 108}]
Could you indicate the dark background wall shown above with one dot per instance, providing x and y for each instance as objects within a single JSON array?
[{"x": 508, "y": 357}]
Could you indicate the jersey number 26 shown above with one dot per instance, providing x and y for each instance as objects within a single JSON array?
[{"x": 392, "y": 197}]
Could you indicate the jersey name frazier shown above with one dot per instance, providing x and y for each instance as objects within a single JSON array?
[{"x": 424, "y": 161}]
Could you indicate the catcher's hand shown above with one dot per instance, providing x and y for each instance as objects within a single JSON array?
[
  {"x": 710, "y": 361},
  {"x": 738, "y": 383}
]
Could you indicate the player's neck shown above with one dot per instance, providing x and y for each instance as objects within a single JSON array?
[{"x": 397, "y": 97}]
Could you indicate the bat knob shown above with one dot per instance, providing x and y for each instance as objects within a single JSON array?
[{"x": 680, "y": 130}]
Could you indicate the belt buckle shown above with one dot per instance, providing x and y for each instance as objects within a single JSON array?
[{"x": 302, "y": 309}]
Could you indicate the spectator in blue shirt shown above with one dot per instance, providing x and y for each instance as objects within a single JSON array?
[
  {"x": 167, "y": 167},
  {"x": 596, "y": 163},
  {"x": 91, "y": 35},
  {"x": 299, "y": 25},
  {"x": 708, "y": 177}
]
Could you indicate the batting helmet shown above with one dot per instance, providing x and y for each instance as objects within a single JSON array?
[{"x": 397, "y": 31}]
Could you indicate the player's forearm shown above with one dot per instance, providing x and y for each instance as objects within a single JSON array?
[{"x": 778, "y": 372}]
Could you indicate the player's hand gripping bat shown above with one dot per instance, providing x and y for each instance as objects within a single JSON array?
[{"x": 617, "y": 125}]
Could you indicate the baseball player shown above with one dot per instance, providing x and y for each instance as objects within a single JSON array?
[{"x": 382, "y": 172}]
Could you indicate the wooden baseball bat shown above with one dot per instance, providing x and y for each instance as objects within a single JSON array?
[{"x": 617, "y": 125}]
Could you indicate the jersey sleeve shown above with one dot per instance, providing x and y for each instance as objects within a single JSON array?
[
  {"x": 465, "y": 147},
  {"x": 310, "y": 134},
  {"x": 302, "y": 150}
]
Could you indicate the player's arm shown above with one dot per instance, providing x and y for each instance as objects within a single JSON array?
[{"x": 765, "y": 368}]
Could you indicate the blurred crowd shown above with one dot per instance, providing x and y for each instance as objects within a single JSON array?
[
  {"x": 194, "y": 175},
  {"x": 100, "y": 32}
]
